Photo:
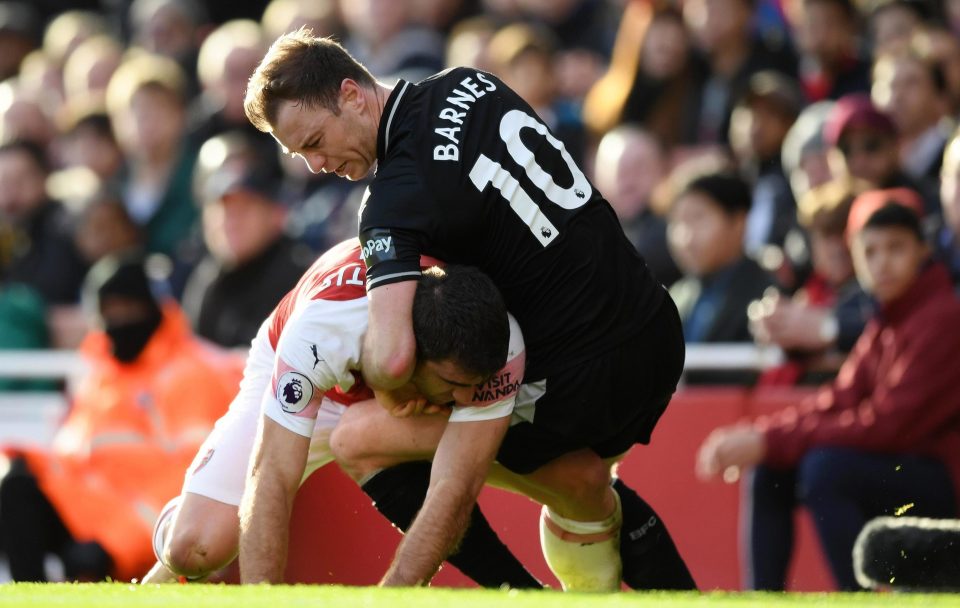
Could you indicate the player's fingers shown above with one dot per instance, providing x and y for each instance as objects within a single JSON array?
[{"x": 403, "y": 410}]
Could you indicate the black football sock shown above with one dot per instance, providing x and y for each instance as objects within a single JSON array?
[
  {"x": 650, "y": 559},
  {"x": 399, "y": 492}
]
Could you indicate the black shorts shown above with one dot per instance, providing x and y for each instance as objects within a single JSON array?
[{"x": 607, "y": 404}]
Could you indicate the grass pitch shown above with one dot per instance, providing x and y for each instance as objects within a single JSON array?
[{"x": 222, "y": 596}]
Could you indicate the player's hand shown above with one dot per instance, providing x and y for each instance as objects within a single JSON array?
[
  {"x": 402, "y": 402},
  {"x": 729, "y": 449}
]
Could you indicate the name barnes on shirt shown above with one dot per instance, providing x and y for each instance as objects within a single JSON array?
[{"x": 462, "y": 97}]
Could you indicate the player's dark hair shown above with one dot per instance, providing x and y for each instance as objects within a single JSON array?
[
  {"x": 302, "y": 68},
  {"x": 458, "y": 314},
  {"x": 894, "y": 215}
]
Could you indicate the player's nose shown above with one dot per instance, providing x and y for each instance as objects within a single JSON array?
[{"x": 315, "y": 162}]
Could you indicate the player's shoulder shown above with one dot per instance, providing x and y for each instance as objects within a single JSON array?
[{"x": 337, "y": 275}]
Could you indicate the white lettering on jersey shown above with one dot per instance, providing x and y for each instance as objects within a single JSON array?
[
  {"x": 376, "y": 245},
  {"x": 464, "y": 100}
]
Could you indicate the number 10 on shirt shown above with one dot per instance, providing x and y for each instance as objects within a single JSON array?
[{"x": 488, "y": 171}]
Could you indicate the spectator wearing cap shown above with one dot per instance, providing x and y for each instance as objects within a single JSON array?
[
  {"x": 250, "y": 262},
  {"x": 705, "y": 230},
  {"x": 885, "y": 435},
  {"x": 909, "y": 85},
  {"x": 826, "y": 35},
  {"x": 947, "y": 245},
  {"x": 760, "y": 122},
  {"x": 865, "y": 145},
  {"x": 150, "y": 397}
]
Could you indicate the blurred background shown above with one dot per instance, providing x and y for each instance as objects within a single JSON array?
[{"x": 730, "y": 137}]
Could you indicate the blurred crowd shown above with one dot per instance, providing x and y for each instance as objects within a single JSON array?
[{"x": 730, "y": 136}]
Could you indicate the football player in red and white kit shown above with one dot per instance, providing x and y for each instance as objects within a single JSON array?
[{"x": 302, "y": 374}]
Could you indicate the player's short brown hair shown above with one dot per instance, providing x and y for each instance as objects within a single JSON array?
[
  {"x": 459, "y": 315},
  {"x": 302, "y": 68}
]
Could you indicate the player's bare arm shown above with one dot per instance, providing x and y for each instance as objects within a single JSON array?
[
  {"x": 389, "y": 348},
  {"x": 459, "y": 470},
  {"x": 278, "y": 462}
]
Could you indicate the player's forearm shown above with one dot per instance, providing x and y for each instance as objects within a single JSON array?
[
  {"x": 435, "y": 533},
  {"x": 389, "y": 346},
  {"x": 278, "y": 461},
  {"x": 387, "y": 361},
  {"x": 264, "y": 523}
]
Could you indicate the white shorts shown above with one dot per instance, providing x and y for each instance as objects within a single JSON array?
[{"x": 219, "y": 469}]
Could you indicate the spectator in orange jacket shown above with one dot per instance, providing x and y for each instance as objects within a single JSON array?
[
  {"x": 885, "y": 436},
  {"x": 151, "y": 396}
]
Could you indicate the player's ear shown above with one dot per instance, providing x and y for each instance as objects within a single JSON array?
[{"x": 350, "y": 93}]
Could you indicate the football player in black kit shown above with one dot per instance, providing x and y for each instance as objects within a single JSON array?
[{"x": 467, "y": 172}]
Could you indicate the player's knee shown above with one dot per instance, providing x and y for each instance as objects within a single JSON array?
[
  {"x": 584, "y": 489},
  {"x": 355, "y": 462},
  {"x": 196, "y": 549}
]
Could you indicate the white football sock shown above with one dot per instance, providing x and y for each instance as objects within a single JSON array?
[{"x": 584, "y": 556}]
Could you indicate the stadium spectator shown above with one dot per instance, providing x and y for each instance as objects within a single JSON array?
[
  {"x": 804, "y": 153},
  {"x": 146, "y": 103},
  {"x": 731, "y": 53},
  {"x": 172, "y": 29},
  {"x": 251, "y": 264},
  {"x": 282, "y": 16},
  {"x": 585, "y": 30},
  {"x": 864, "y": 145},
  {"x": 705, "y": 228},
  {"x": 87, "y": 141},
  {"x": 87, "y": 72},
  {"x": 468, "y": 43},
  {"x": 523, "y": 56},
  {"x": 825, "y": 32},
  {"x": 23, "y": 325},
  {"x": 23, "y": 116},
  {"x": 828, "y": 312},
  {"x": 103, "y": 227},
  {"x": 758, "y": 126},
  {"x": 651, "y": 80},
  {"x": 44, "y": 256},
  {"x": 20, "y": 26},
  {"x": 227, "y": 58},
  {"x": 383, "y": 36},
  {"x": 894, "y": 23},
  {"x": 909, "y": 85},
  {"x": 629, "y": 165},
  {"x": 883, "y": 435},
  {"x": 948, "y": 238},
  {"x": 151, "y": 395}
]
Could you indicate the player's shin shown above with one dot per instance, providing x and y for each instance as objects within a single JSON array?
[
  {"x": 650, "y": 559},
  {"x": 399, "y": 492},
  {"x": 584, "y": 556}
]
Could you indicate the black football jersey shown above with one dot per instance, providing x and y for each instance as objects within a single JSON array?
[{"x": 468, "y": 173}]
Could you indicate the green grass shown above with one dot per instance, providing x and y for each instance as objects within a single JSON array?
[{"x": 217, "y": 596}]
